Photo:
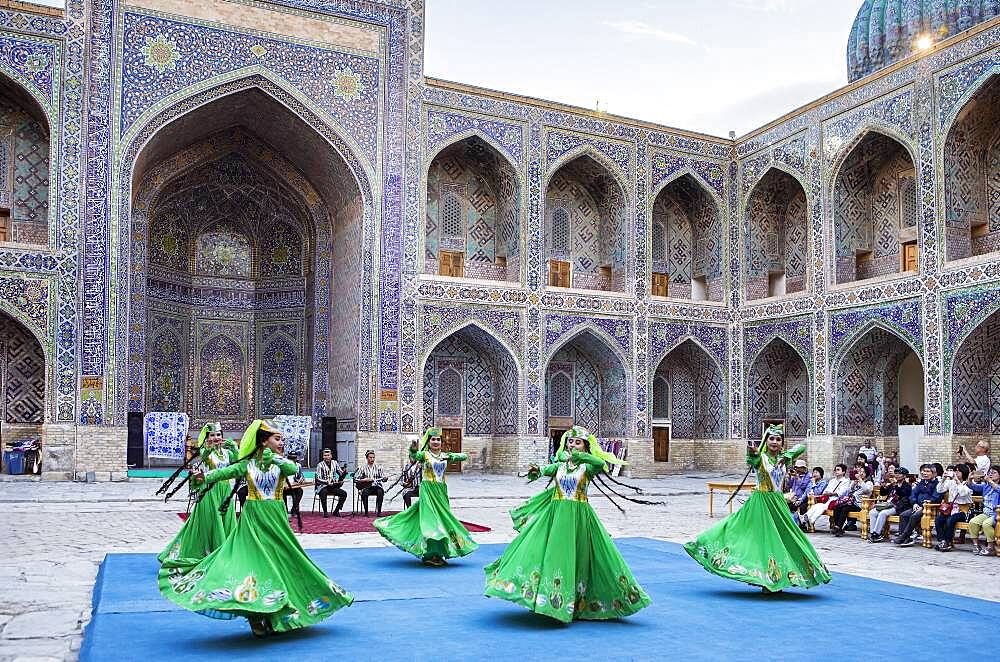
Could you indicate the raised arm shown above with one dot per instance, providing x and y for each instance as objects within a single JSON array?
[
  {"x": 418, "y": 456},
  {"x": 227, "y": 473},
  {"x": 793, "y": 453},
  {"x": 550, "y": 469},
  {"x": 594, "y": 464},
  {"x": 458, "y": 457}
]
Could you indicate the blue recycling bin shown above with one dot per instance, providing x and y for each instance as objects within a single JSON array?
[{"x": 14, "y": 461}]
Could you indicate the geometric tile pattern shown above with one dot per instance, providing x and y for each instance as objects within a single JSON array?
[
  {"x": 22, "y": 375},
  {"x": 696, "y": 387},
  {"x": 776, "y": 216},
  {"x": 687, "y": 219},
  {"x": 778, "y": 387},
  {"x": 600, "y": 395},
  {"x": 867, "y": 395}
]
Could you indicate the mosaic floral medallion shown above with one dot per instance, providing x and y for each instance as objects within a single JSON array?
[{"x": 161, "y": 53}]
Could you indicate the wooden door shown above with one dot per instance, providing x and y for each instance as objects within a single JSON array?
[
  {"x": 451, "y": 442},
  {"x": 554, "y": 437},
  {"x": 559, "y": 273},
  {"x": 910, "y": 257},
  {"x": 660, "y": 285},
  {"x": 661, "y": 444}
]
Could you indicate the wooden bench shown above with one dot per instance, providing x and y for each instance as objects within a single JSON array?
[
  {"x": 728, "y": 488},
  {"x": 930, "y": 514},
  {"x": 860, "y": 515}
]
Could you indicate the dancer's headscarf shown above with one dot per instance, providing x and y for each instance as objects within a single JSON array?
[
  {"x": 248, "y": 445},
  {"x": 207, "y": 430},
  {"x": 774, "y": 429},
  {"x": 428, "y": 433},
  {"x": 577, "y": 432}
]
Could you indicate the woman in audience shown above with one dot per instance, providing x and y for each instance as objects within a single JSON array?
[
  {"x": 860, "y": 488},
  {"x": 895, "y": 495},
  {"x": 956, "y": 493},
  {"x": 836, "y": 488},
  {"x": 816, "y": 486},
  {"x": 986, "y": 521}
]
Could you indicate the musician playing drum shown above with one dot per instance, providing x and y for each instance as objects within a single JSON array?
[
  {"x": 368, "y": 479},
  {"x": 329, "y": 481}
]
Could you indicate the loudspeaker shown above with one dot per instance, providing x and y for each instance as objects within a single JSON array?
[
  {"x": 136, "y": 446},
  {"x": 328, "y": 428}
]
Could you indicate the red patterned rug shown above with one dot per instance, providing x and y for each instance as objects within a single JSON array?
[{"x": 316, "y": 523}]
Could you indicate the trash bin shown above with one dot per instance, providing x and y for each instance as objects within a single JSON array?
[{"x": 14, "y": 461}]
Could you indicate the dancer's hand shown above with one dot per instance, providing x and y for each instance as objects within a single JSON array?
[{"x": 198, "y": 475}]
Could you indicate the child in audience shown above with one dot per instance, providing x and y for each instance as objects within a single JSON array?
[
  {"x": 895, "y": 495},
  {"x": 956, "y": 492},
  {"x": 925, "y": 490},
  {"x": 986, "y": 521}
]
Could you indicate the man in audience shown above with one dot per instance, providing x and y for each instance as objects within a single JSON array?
[
  {"x": 981, "y": 462},
  {"x": 895, "y": 498},
  {"x": 868, "y": 450},
  {"x": 924, "y": 491},
  {"x": 291, "y": 491},
  {"x": 798, "y": 487}
]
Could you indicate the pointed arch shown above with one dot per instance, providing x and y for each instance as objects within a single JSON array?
[
  {"x": 477, "y": 188},
  {"x": 24, "y": 374},
  {"x": 473, "y": 132},
  {"x": 488, "y": 402},
  {"x": 973, "y": 375},
  {"x": 847, "y": 343},
  {"x": 680, "y": 341},
  {"x": 867, "y": 388},
  {"x": 687, "y": 170},
  {"x": 778, "y": 242},
  {"x": 697, "y": 403},
  {"x": 870, "y": 126},
  {"x": 780, "y": 390},
  {"x": 875, "y": 205},
  {"x": 343, "y": 198},
  {"x": 593, "y": 329},
  {"x": 613, "y": 169},
  {"x": 947, "y": 121},
  {"x": 432, "y": 343},
  {"x": 781, "y": 167}
]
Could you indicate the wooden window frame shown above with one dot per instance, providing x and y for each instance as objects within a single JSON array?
[
  {"x": 451, "y": 257},
  {"x": 660, "y": 278},
  {"x": 558, "y": 269}
]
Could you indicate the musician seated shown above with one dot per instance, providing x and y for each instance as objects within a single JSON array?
[
  {"x": 329, "y": 482},
  {"x": 292, "y": 492},
  {"x": 369, "y": 479},
  {"x": 411, "y": 482}
]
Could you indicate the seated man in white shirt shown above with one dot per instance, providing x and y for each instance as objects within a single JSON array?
[{"x": 369, "y": 479}]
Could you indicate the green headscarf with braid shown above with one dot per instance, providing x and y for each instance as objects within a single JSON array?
[{"x": 577, "y": 432}]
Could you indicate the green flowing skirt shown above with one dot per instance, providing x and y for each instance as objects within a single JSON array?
[
  {"x": 205, "y": 529},
  {"x": 259, "y": 572},
  {"x": 565, "y": 565},
  {"x": 760, "y": 544},
  {"x": 531, "y": 508},
  {"x": 427, "y": 529}
]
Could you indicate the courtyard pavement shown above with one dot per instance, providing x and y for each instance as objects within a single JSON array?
[{"x": 56, "y": 535}]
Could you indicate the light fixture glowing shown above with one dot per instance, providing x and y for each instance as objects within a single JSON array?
[{"x": 924, "y": 42}]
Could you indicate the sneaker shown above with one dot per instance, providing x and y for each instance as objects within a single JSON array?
[
  {"x": 989, "y": 550},
  {"x": 851, "y": 526},
  {"x": 976, "y": 547},
  {"x": 875, "y": 538},
  {"x": 907, "y": 543}
]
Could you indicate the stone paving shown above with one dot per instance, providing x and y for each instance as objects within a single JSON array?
[{"x": 56, "y": 535}]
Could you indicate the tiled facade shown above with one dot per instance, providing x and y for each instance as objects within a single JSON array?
[{"x": 249, "y": 218}]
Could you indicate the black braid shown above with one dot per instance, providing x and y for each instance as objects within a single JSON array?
[
  {"x": 637, "y": 490},
  {"x": 600, "y": 478},
  {"x": 613, "y": 502}
]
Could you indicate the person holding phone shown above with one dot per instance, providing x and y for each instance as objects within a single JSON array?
[{"x": 956, "y": 493}]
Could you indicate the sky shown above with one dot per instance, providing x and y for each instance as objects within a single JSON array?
[{"x": 712, "y": 66}]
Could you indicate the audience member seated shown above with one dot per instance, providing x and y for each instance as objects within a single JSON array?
[
  {"x": 798, "y": 481},
  {"x": 860, "y": 488},
  {"x": 986, "y": 521},
  {"x": 411, "y": 482},
  {"x": 925, "y": 490},
  {"x": 836, "y": 488},
  {"x": 895, "y": 499},
  {"x": 816, "y": 486},
  {"x": 956, "y": 492}
]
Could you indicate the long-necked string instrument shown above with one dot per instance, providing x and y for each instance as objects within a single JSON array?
[{"x": 192, "y": 455}]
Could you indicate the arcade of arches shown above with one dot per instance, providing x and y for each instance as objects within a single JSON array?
[{"x": 248, "y": 243}]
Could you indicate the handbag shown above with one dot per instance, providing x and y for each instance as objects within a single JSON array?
[
  {"x": 946, "y": 508},
  {"x": 822, "y": 498}
]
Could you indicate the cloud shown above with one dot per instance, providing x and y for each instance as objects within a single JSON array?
[
  {"x": 641, "y": 29},
  {"x": 764, "y": 5}
]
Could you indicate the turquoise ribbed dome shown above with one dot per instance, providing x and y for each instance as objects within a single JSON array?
[{"x": 885, "y": 30}]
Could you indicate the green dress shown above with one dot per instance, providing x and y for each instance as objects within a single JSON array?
[
  {"x": 427, "y": 529},
  {"x": 564, "y": 564},
  {"x": 260, "y": 572},
  {"x": 531, "y": 508},
  {"x": 760, "y": 544},
  {"x": 206, "y": 529}
]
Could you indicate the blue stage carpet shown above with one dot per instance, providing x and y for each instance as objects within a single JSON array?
[{"x": 405, "y": 611}]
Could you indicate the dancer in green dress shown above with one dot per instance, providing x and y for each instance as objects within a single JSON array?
[
  {"x": 760, "y": 544},
  {"x": 428, "y": 530},
  {"x": 564, "y": 564},
  {"x": 260, "y": 572},
  {"x": 206, "y": 528}
]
